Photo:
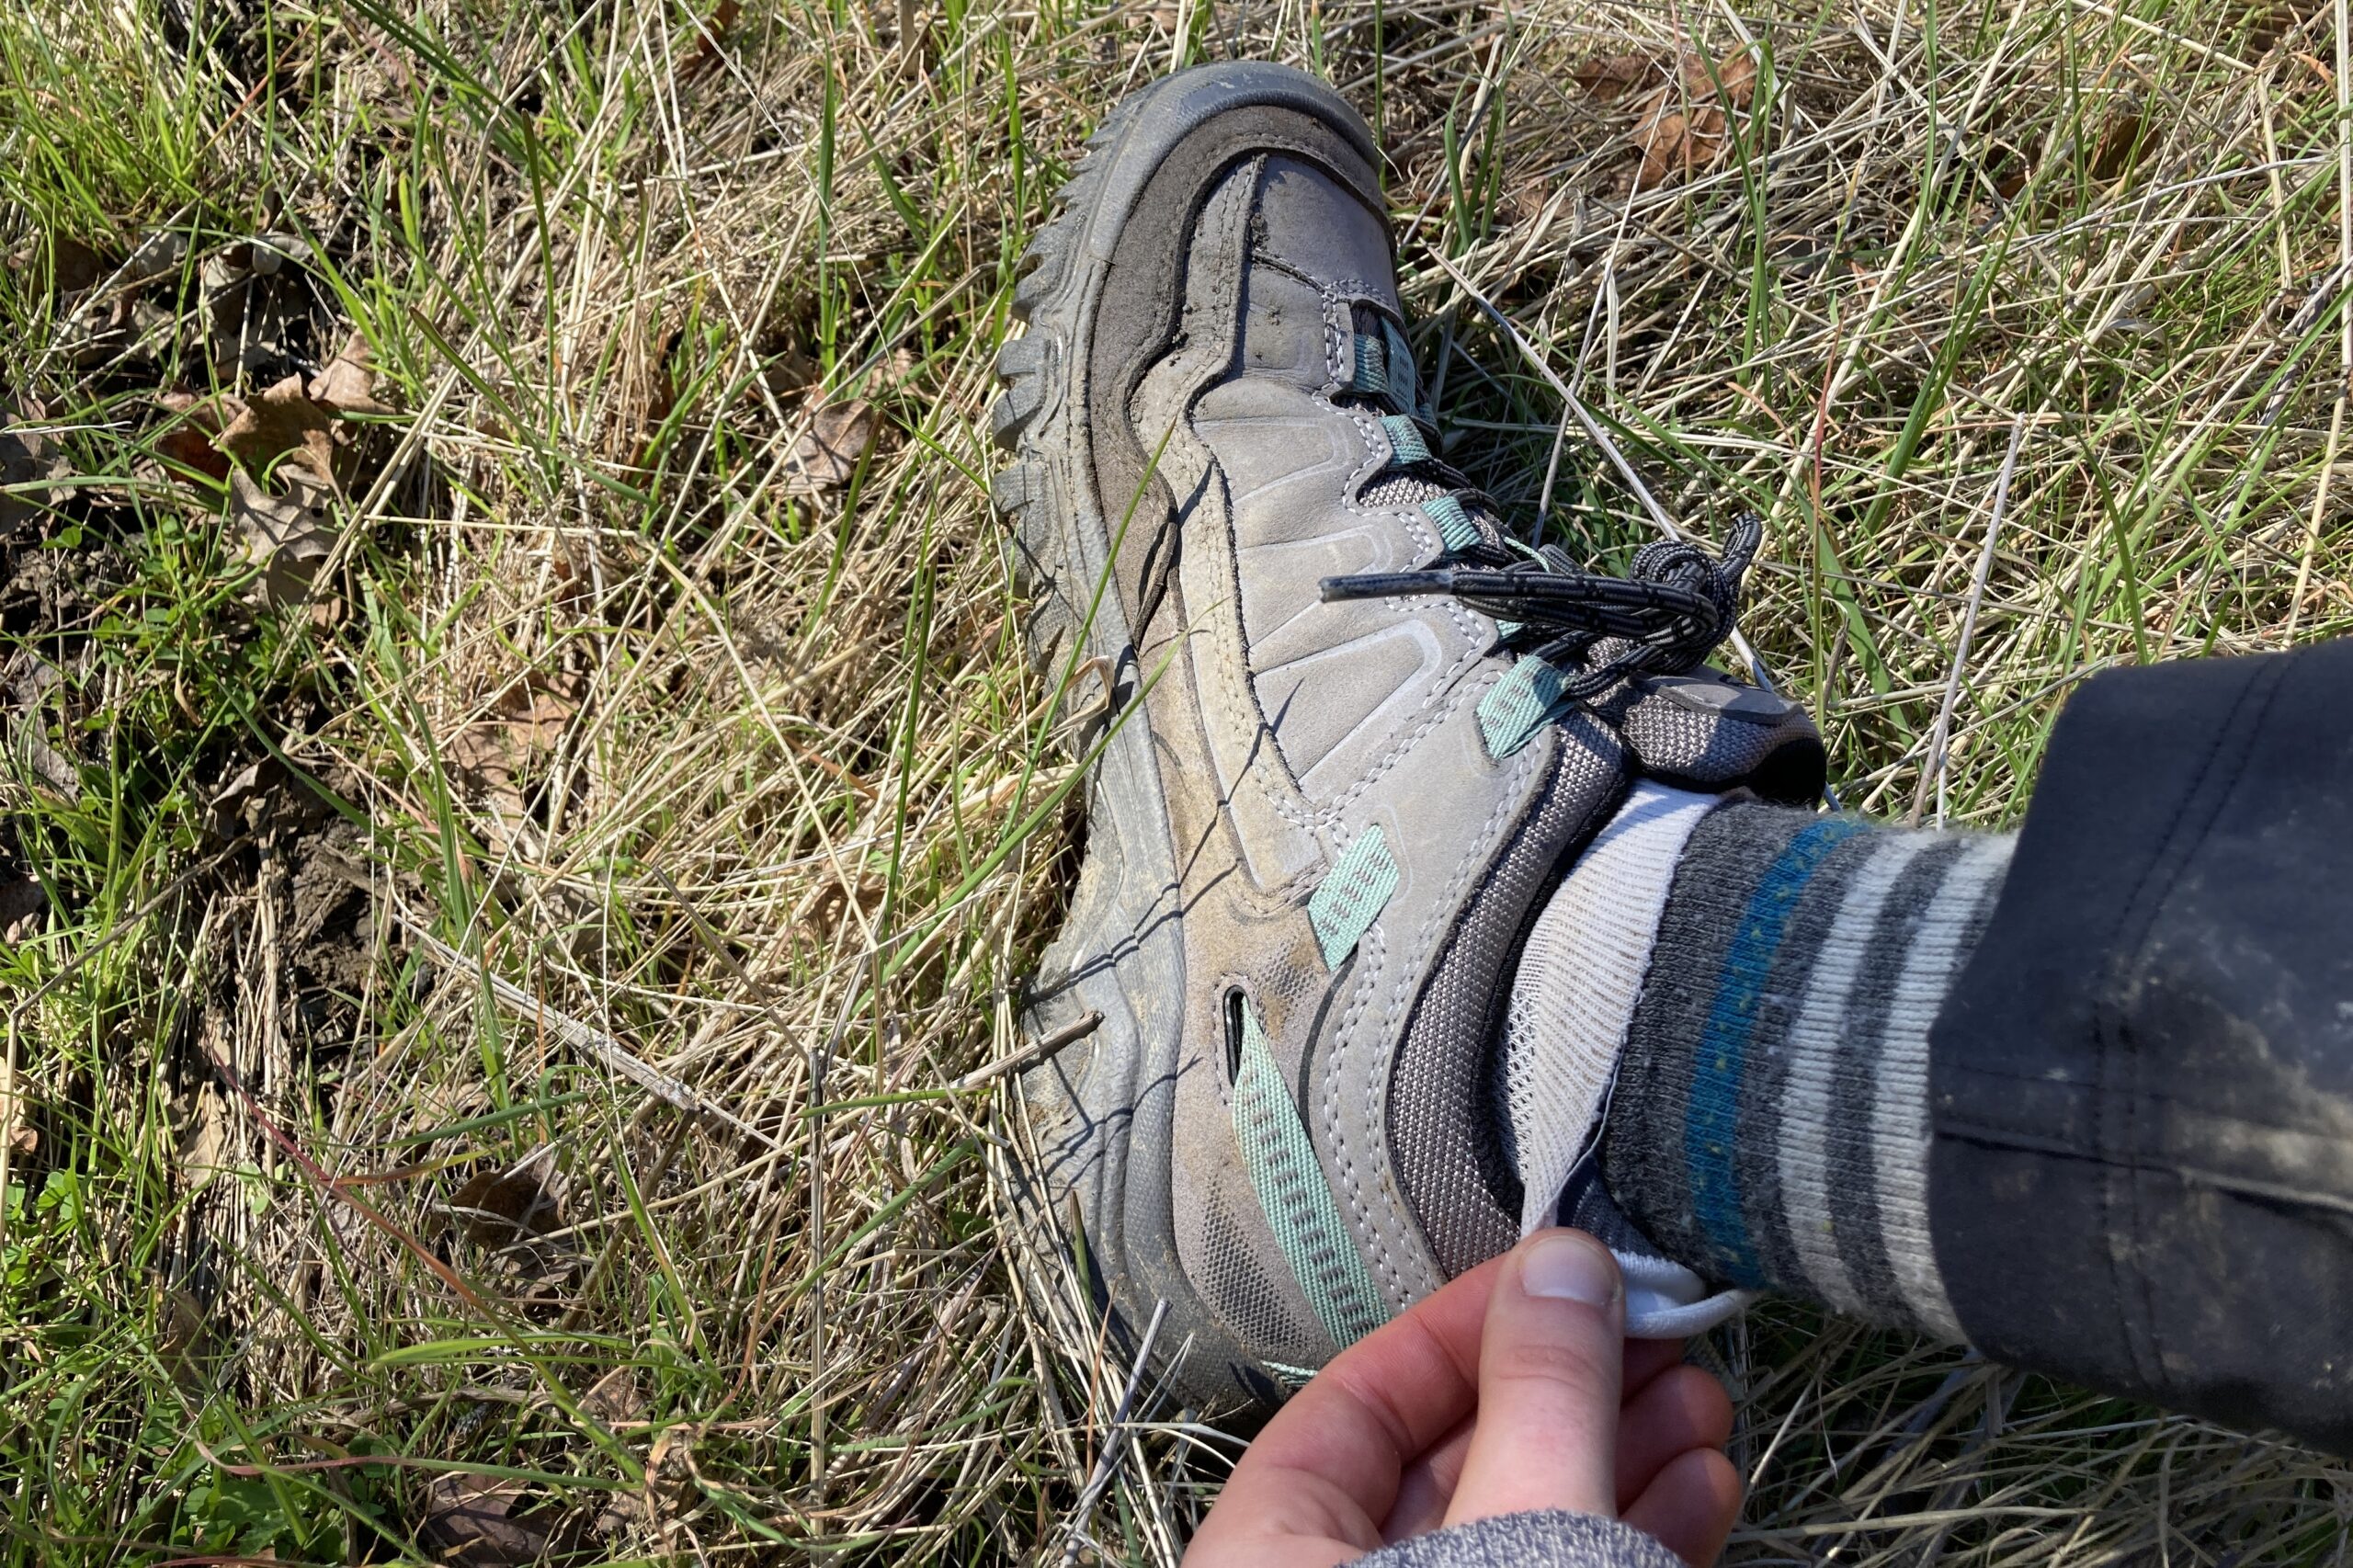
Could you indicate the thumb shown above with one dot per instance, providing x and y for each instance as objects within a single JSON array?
[{"x": 1550, "y": 1360}]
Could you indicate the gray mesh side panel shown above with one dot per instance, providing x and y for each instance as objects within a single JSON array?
[
  {"x": 1442, "y": 1129},
  {"x": 1229, "y": 1254},
  {"x": 1400, "y": 490},
  {"x": 1237, "y": 1289},
  {"x": 1671, "y": 739},
  {"x": 1707, "y": 749}
]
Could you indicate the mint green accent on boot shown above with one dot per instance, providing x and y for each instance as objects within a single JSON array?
[
  {"x": 1372, "y": 367},
  {"x": 1453, "y": 523},
  {"x": 1518, "y": 704},
  {"x": 1405, "y": 443},
  {"x": 1405, "y": 382},
  {"x": 1343, "y": 908},
  {"x": 1290, "y": 1377},
  {"x": 1289, "y": 1181}
]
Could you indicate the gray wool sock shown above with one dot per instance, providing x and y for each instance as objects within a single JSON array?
[{"x": 1768, "y": 1127}]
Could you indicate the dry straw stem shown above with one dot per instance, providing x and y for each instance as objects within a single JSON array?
[{"x": 636, "y": 277}]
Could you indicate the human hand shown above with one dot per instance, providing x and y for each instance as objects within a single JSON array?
[{"x": 1512, "y": 1389}]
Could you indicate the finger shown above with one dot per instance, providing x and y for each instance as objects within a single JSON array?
[
  {"x": 1692, "y": 1506},
  {"x": 1681, "y": 1409},
  {"x": 1328, "y": 1465},
  {"x": 1550, "y": 1366},
  {"x": 1427, "y": 1485},
  {"x": 1652, "y": 1430},
  {"x": 1646, "y": 1360}
]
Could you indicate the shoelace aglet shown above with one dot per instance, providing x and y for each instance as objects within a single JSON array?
[{"x": 1385, "y": 584}]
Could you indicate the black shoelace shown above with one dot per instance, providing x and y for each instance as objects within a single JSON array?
[{"x": 1663, "y": 617}]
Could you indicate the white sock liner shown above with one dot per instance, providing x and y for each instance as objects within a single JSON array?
[
  {"x": 1579, "y": 977},
  {"x": 1572, "y": 1003}
]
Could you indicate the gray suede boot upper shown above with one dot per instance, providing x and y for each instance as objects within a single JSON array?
[{"x": 1320, "y": 825}]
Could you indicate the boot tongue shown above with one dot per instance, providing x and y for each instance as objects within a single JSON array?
[
  {"x": 1317, "y": 266},
  {"x": 1309, "y": 222}
]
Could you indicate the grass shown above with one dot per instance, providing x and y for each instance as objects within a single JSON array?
[{"x": 628, "y": 710}]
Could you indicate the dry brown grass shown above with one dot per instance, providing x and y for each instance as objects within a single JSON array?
[{"x": 631, "y": 698}]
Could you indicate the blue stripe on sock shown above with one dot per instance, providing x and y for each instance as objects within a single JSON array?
[{"x": 1712, "y": 1117}]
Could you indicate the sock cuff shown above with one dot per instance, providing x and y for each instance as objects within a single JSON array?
[
  {"x": 1770, "y": 1123},
  {"x": 1580, "y": 974}
]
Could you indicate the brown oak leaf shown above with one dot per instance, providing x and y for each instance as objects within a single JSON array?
[
  {"x": 615, "y": 1397},
  {"x": 289, "y": 536},
  {"x": 1611, "y": 76},
  {"x": 1681, "y": 127},
  {"x": 502, "y": 1206},
  {"x": 347, "y": 384},
  {"x": 827, "y": 453},
  {"x": 1681, "y": 107},
  {"x": 470, "y": 1521},
  {"x": 191, "y": 440},
  {"x": 30, "y": 463},
  {"x": 494, "y": 752},
  {"x": 283, "y": 422}
]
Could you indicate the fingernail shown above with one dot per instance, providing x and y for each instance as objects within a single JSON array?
[{"x": 1569, "y": 1269}]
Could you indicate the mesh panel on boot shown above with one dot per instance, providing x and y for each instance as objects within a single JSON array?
[
  {"x": 1716, "y": 750},
  {"x": 1229, "y": 1257},
  {"x": 1237, "y": 1287},
  {"x": 1401, "y": 489}
]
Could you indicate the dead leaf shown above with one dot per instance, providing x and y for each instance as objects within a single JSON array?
[
  {"x": 239, "y": 805},
  {"x": 272, "y": 253},
  {"x": 192, "y": 441},
  {"x": 671, "y": 1479},
  {"x": 98, "y": 330},
  {"x": 72, "y": 266},
  {"x": 30, "y": 463},
  {"x": 221, "y": 307},
  {"x": 524, "y": 724},
  {"x": 1611, "y": 77},
  {"x": 158, "y": 256},
  {"x": 184, "y": 1341},
  {"x": 21, "y": 905},
  {"x": 723, "y": 17},
  {"x": 824, "y": 905},
  {"x": 1681, "y": 124},
  {"x": 501, "y": 1206},
  {"x": 2120, "y": 145},
  {"x": 48, "y": 765},
  {"x": 615, "y": 1397},
  {"x": 200, "y": 1145},
  {"x": 470, "y": 1521},
  {"x": 283, "y": 422},
  {"x": 787, "y": 373},
  {"x": 255, "y": 322},
  {"x": 828, "y": 452},
  {"x": 347, "y": 385},
  {"x": 621, "y": 1512},
  {"x": 288, "y": 536}
]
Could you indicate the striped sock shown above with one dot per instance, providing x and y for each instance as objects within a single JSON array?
[{"x": 1768, "y": 1126}]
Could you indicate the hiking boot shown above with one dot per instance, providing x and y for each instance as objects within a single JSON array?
[{"x": 1353, "y": 737}]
